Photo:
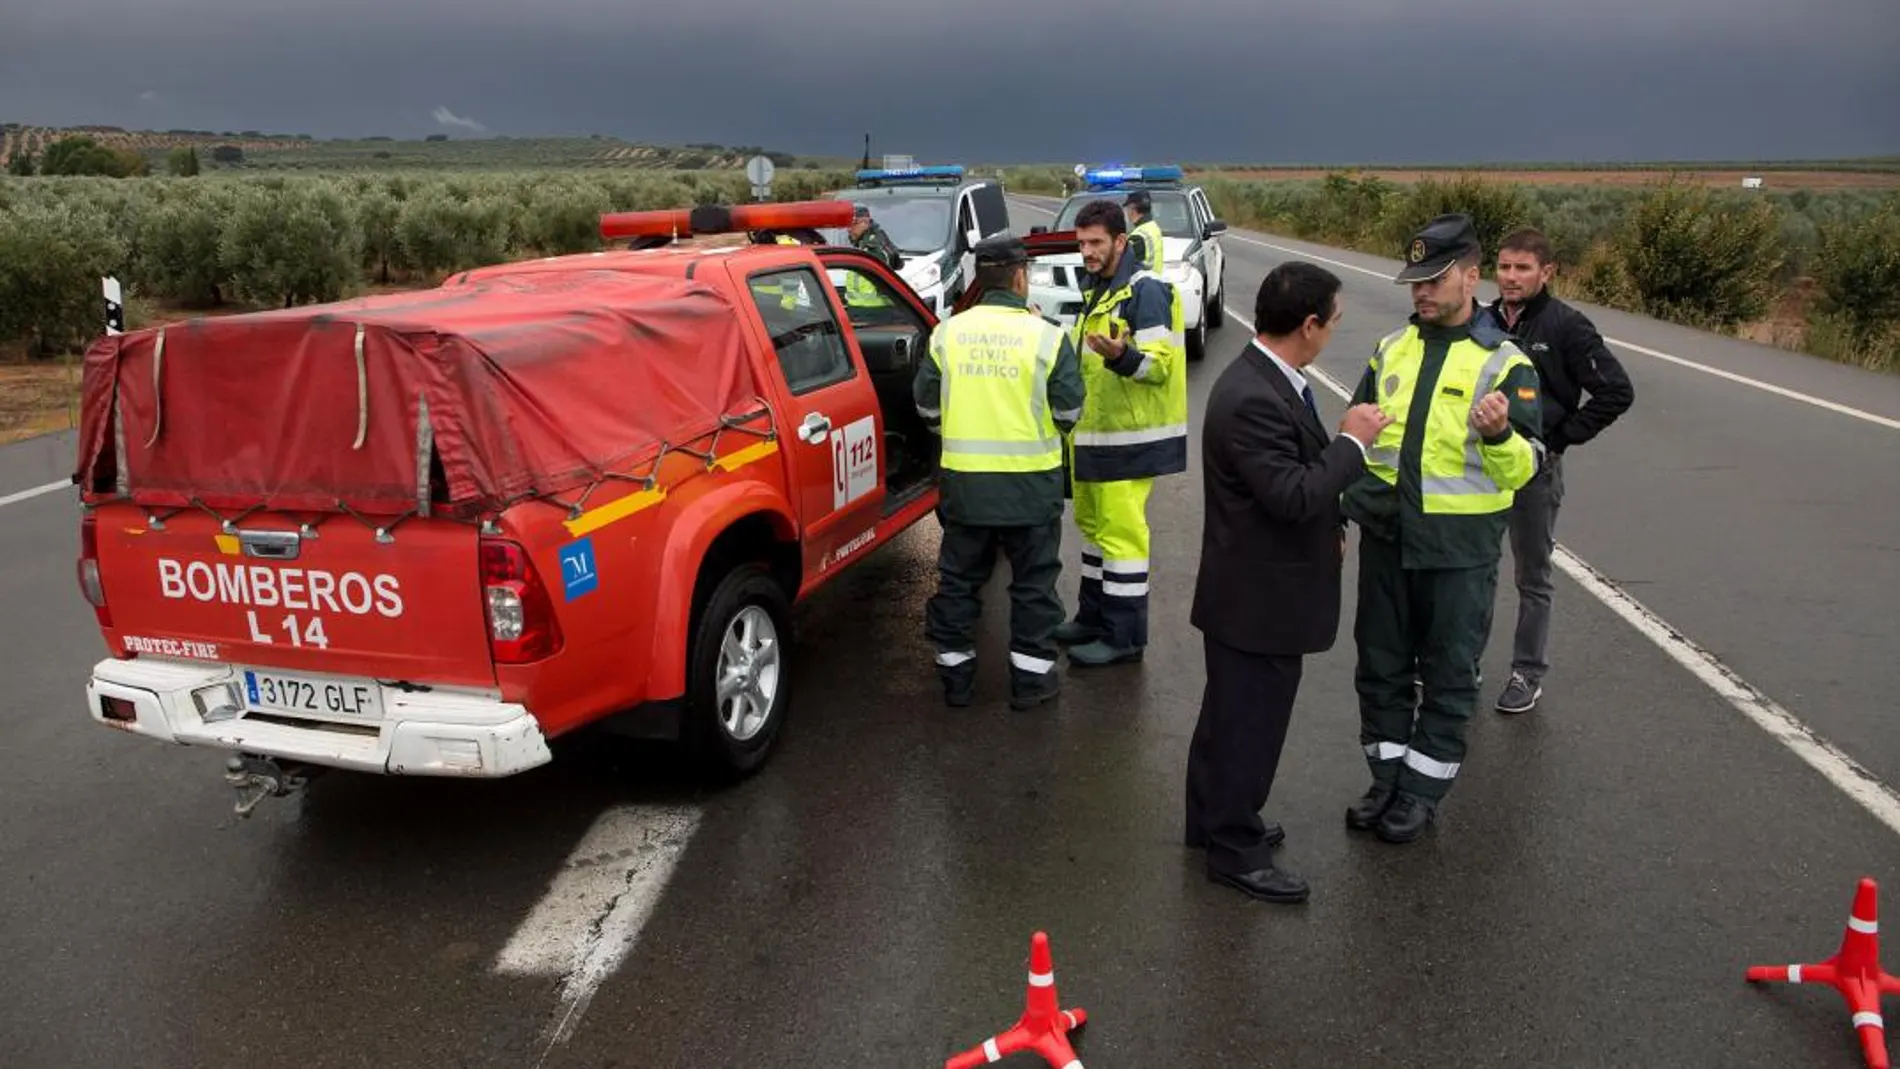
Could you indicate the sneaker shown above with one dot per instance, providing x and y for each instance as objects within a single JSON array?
[
  {"x": 1097, "y": 653},
  {"x": 1520, "y": 695}
]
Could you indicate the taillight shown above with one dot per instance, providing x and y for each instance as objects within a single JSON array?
[
  {"x": 90, "y": 583},
  {"x": 521, "y": 624}
]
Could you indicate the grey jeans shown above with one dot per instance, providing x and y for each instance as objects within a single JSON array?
[{"x": 1533, "y": 537}]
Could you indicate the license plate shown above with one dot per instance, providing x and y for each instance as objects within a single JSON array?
[{"x": 294, "y": 694}]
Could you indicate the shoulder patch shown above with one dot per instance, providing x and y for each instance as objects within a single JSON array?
[{"x": 1526, "y": 393}]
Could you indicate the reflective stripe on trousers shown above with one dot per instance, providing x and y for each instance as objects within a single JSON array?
[{"x": 1113, "y": 520}]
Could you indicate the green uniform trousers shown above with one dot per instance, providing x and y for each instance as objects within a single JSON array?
[
  {"x": 1434, "y": 622},
  {"x": 965, "y": 560}
]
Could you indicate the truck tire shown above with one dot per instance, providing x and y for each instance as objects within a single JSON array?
[{"x": 741, "y": 648}]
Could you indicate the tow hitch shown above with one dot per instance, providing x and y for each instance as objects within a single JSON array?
[{"x": 257, "y": 778}]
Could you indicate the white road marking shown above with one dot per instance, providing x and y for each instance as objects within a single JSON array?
[
  {"x": 1783, "y": 391},
  {"x": 1783, "y": 726},
  {"x": 1769, "y": 387},
  {"x": 27, "y": 495},
  {"x": 592, "y": 913}
]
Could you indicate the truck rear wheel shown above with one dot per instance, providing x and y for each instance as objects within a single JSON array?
[{"x": 740, "y": 682}]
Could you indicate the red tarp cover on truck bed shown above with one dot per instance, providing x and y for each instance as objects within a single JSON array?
[{"x": 533, "y": 383}]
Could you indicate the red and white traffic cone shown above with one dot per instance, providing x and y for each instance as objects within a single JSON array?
[
  {"x": 1854, "y": 971},
  {"x": 1043, "y": 1027}
]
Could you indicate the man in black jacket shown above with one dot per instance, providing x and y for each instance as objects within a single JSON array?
[
  {"x": 1571, "y": 361},
  {"x": 1267, "y": 592}
]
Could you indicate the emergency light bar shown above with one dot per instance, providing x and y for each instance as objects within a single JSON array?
[
  {"x": 723, "y": 219},
  {"x": 1115, "y": 176},
  {"x": 909, "y": 175}
]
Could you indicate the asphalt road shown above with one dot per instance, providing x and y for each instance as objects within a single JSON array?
[{"x": 1604, "y": 872}]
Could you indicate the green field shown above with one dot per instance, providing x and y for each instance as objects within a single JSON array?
[{"x": 1811, "y": 260}]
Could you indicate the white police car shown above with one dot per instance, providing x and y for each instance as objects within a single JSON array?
[
  {"x": 935, "y": 216},
  {"x": 1192, "y": 259}
]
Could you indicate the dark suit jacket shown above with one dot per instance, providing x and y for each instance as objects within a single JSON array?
[{"x": 1270, "y": 545}]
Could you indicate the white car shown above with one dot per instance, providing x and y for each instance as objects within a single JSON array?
[{"x": 1192, "y": 259}]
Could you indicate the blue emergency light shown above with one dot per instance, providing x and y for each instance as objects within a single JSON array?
[
  {"x": 910, "y": 175},
  {"x": 1108, "y": 178}
]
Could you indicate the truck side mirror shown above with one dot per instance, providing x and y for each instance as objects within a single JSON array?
[{"x": 1216, "y": 226}]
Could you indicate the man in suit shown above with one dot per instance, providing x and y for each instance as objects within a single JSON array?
[{"x": 1272, "y": 550}]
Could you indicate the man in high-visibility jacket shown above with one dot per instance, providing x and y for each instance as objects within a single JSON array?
[
  {"x": 1001, "y": 386},
  {"x": 1133, "y": 430},
  {"x": 1432, "y": 508},
  {"x": 867, "y": 235},
  {"x": 1143, "y": 229}
]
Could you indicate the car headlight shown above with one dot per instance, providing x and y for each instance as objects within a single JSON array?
[
  {"x": 1179, "y": 273},
  {"x": 1042, "y": 275}
]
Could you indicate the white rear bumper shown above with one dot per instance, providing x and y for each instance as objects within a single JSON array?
[{"x": 431, "y": 733}]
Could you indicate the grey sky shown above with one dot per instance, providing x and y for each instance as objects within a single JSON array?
[{"x": 1002, "y": 80}]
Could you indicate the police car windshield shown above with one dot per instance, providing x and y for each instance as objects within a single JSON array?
[
  {"x": 1170, "y": 210},
  {"x": 914, "y": 224}
]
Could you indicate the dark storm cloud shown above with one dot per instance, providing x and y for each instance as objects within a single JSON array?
[{"x": 1349, "y": 80}]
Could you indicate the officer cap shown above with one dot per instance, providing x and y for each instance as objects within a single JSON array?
[
  {"x": 1000, "y": 250},
  {"x": 1443, "y": 242},
  {"x": 862, "y": 211},
  {"x": 1140, "y": 200}
]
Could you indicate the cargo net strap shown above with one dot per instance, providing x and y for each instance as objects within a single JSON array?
[
  {"x": 730, "y": 427},
  {"x": 229, "y": 524}
]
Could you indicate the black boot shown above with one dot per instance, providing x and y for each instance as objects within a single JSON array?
[
  {"x": 1406, "y": 820},
  {"x": 1364, "y": 814},
  {"x": 959, "y": 684},
  {"x": 1027, "y": 692}
]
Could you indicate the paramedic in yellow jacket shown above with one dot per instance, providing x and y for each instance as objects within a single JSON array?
[{"x": 1133, "y": 429}]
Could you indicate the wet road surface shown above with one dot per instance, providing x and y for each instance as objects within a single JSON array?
[{"x": 1603, "y": 873}]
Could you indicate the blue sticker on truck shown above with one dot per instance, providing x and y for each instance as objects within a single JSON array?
[{"x": 579, "y": 576}]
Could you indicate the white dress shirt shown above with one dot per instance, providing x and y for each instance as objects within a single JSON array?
[{"x": 1300, "y": 386}]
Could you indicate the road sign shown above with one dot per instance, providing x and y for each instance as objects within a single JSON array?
[
  {"x": 759, "y": 169},
  {"x": 762, "y": 192}
]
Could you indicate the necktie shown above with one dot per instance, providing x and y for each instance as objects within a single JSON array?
[{"x": 1306, "y": 394}]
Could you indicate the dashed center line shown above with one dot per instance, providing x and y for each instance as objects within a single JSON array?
[
  {"x": 27, "y": 495},
  {"x": 592, "y": 914}
]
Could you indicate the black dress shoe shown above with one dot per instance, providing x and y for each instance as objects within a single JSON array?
[
  {"x": 1268, "y": 884},
  {"x": 1365, "y": 813},
  {"x": 1406, "y": 820}
]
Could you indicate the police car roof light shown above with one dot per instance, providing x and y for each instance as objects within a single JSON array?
[
  {"x": 724, "y": 219},
  {"x": 902, "y": 175},
  {"x": 1103, "y": 178}
]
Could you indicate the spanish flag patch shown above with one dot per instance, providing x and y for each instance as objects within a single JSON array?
[{"x": 1526, "y": 393}]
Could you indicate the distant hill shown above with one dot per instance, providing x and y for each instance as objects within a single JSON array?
[
  {"x": 16, "y": 138},
  {"x": 301, "y": 152}
]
